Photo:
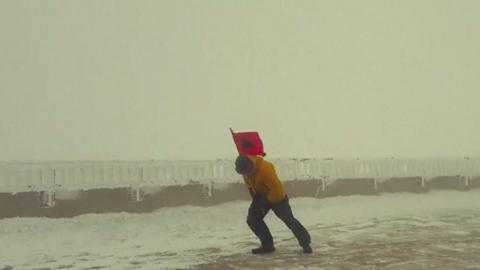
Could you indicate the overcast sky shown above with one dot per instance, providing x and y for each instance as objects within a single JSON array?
[{"x": 102, "y": 80}]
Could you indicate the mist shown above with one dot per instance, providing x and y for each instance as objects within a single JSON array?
[{"x": 108, "y": 80}]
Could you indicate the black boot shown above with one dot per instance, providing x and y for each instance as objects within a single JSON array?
[
  {"x": 307, "y": 249},
  {"x": 263, "y": 250}
]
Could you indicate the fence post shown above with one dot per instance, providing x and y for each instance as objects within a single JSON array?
[
  {"x": 319, "y": 185},
  {"x": 48, "y": 197},
  {"x": 210, "y": 189},
  {"x": 138, "y": 197}
]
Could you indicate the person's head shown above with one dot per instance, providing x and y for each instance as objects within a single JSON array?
[{"x": 243, "y": 165}]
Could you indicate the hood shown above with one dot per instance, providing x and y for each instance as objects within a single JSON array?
[{"x": 257, "y": 161}]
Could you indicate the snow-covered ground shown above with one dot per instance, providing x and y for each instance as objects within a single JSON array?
[{"x": 436, "y": 230}]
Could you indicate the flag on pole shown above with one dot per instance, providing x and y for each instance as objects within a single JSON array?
[{"x": 248, "y": 143}]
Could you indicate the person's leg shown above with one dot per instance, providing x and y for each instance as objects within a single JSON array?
[
  {"x": 256, "y": 212},
  {"x": 284, "y": 212}
]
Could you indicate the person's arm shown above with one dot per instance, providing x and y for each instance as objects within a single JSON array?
[
  {"x": 262, "y": 189},
  {"x": 260, "y": 196},
  {"x": 251, "y": 191},
  {"x": 272, "y": 187}
]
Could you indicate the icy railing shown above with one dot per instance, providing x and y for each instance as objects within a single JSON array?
[{"x": 16, "y": 177}]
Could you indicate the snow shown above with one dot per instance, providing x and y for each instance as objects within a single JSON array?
[{"x": 196, "y": 237}]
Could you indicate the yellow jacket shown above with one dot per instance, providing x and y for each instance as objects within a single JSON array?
[{"x": 264, "y": 180}]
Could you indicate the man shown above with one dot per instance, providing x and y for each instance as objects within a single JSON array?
[{"x": 268, "y": 193}]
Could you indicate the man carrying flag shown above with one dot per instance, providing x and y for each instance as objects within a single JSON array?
[{"x": 267, "y": 193}]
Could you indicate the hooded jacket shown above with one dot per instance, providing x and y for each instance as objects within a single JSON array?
[{"x": 263, "y": 180}]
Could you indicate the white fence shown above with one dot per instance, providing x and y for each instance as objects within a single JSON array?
[{"x": 16, "y": 177}]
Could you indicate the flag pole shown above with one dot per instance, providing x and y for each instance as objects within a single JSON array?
[{"x": 233, "y": 137}]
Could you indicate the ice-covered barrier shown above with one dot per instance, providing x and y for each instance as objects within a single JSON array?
[
  {"x": 18, "y": 177},
  {"x": 63, "y": 189}
]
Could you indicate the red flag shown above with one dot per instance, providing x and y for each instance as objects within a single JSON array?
[{"x": 248, "y": 143}]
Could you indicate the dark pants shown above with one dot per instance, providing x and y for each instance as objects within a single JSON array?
[{"x": 260, "y": 207}]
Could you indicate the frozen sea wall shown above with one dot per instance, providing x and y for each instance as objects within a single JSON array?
[{"x": 60, "y": 189}]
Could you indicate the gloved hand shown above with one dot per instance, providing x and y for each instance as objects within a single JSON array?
[{"x": 262, "y": 203}]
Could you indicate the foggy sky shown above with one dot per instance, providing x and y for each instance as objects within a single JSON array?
[{"x": 93, "y": 80}]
